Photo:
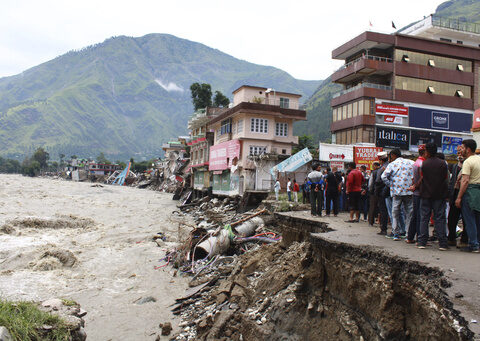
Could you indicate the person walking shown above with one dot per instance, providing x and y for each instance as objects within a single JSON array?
[
  {"x": 333, "y": 188},
  {"x": 316, "y": 190},
  {"x": 354, "y": 190},
  {"x": 468, "y": 198},
  {"x": 414, "y": 227},
  {"x": 296, "y": 189},
  {"x": 382, "y": 192},
  {"x": 276, "y": 188},
  {"x": 399, "y": 176},
  {"x": 289, "y": 189},
  {"x": 454, "y": 213},
  {"x": 433, "y": 194}
]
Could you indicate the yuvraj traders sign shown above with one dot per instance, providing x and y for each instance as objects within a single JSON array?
[
  {"x": 392, "y": 138},
  {"x": 365, "y": 156}
]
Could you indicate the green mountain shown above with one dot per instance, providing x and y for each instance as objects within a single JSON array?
[
  {"x": 124, "y": 97},
  {"x": 319, "y": 112}
]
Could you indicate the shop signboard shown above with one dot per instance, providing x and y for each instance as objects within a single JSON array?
[
  {"x": 335, "y": 152},
  {"x": 392, "y": 138},
  {"x": 365, "y": 156},
  {"x": 293, "y": 162},
  {"x": 338, "y": 164},
  {"x": 418, "y": 137},
  {"x": 223, "y": 154},
  {"x": 450, "y": 144},
  {"x": 440, "y": 119},
  {"x": 392, "y": 110}
]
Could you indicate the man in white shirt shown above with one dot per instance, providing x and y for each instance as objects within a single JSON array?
[{"x": 289, "y": 189}]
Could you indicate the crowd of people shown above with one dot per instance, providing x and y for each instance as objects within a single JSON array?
[{"x": 409, "y": 194}]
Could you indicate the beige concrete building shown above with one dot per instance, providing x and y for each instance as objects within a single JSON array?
[{"x": 251, "y": 137}]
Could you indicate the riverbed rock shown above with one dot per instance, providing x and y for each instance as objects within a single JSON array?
[
  {"x": 166, "y": 328},
  {"x": 4, "y": 334}
]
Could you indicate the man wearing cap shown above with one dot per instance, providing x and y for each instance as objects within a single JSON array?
[
  {"x": 414, "y": 227},
  {"x": 380, "y": 192},
  {"x": 399, "y": 177}
]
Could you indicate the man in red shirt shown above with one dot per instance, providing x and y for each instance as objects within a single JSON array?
[{"x": 354, "y": 190}]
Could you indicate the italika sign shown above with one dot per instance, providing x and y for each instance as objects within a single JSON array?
[{"x": 392, "y": 138}]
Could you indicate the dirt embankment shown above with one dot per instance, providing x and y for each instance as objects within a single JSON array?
[{"x": 322, "y": 290}]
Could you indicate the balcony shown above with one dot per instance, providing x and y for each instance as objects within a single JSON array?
[
  {"x": 362, "y": 90},
  {"x": 455, "y": 24},
  {"x": 281, "y": 103},
  {"x": 363, "y": 66}
]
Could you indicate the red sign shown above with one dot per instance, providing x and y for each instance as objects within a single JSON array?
[
  {"x": 476, "y": 120},
  {"x": 336, "y": 156},
  {"x": 222, "y": 155},
  {"x": 392, "y": 119},
  {"x": 365, "y": 156},
  {"x": 340, "y": 165},
  {"x": 395, "y": 110}
]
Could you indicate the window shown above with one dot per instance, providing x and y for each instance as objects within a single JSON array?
[
  {"x": 257, "y": 150},
  {"x": 460, "y": 42},
  {"x": 446, "y": 40},
  {"x": 281, "y": 129},
  {"x": 439, "y": 88},
  {"x": 226, "y": 126},
  {"x": 259, "y": 125},
  {"x": 218, "y": 134},
  {"x": 284, "y": 151},
  {"x": 284, "y": 102},
  {"x": 239, "y": 126},
  {"x": 439, "y": 61}
]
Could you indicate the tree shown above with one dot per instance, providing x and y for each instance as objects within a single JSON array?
[
  {"x": 42, "y": 157},
  {"x": 304, "y": 141},
  {"x": 61, "y": 156},
  {"x": 220, "y": 100},
  {"x": 102, "y": 159},
  {"x": 201, "y": 95}
]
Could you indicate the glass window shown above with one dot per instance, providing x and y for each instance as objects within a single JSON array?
[
  {"x": 281, "y": 129},
  {"x": 226, "y": 127},
  {"x": 240, "y": 126},
  {"x": 344, "y": 112},
  {"x": 355, "y": 109},
  {"x": 349, "y": 110},
  {"x": 422, "y": 85},
  {"x": 257, "y": 150},
  {"x": 433, "y": 60},
  {"x": 361, "y": 107},
  {"x": 284, "y": 102},
  {"x": 259, "y": 125},
  {"x": 334, "y": 114}
]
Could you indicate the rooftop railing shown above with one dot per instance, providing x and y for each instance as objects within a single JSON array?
[
  {"x": 455, "y": 24},
  {"x": 362, "y": 85},
  {"x": 367, "y": 56}
]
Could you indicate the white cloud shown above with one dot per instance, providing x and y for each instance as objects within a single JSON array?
[{"x": 170, "y": 86}]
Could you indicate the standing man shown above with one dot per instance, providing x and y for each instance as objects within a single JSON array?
[
  {"x": 455, "y": 212},
  {"x": 277, "y": 188},
  {"x": 414, "y": 227},
  {"x": 364, "y": 194},
  {"x": 399, "y": 176},
  {"x": 289, "y": 190},
  {"x": 373, "y": 206},
  {"x": 316, "y": 190},
  {"x": 433, "y": 193},
  {"x": 469, "y": 194},
  {"x": 296, "y": 189},
  {"x": 381, "y": 192},
  {"x": 333, "y": 183},
  {"x": 306, "y": 191},
  {"x": 354, "y": 190}
]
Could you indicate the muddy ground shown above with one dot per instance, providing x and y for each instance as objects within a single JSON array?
[{"x": 91, "y": 244}]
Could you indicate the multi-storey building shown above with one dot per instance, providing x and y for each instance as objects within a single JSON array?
[
  {"x": 417, "y": 85},
  {"x": 201, "y": 139},
  {"x": 250, "y": 138}
]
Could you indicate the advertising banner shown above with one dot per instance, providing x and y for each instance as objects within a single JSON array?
[
  {"x": 293, "y": 162},
  {"x": 335, "y": 152},
  {"x": 395, "y": 110},
  {"x": 339, "y": 164},
  {"x": 392, "y": 138},
  {"x": 418, "y": 137},
  {"x": 476, "y": 120},
  {"x": 222, "y": 155},
  {"x": 440, "y": 120},
  {"x": 450, "y": 144},
  {"x": 365, "y": 156}
]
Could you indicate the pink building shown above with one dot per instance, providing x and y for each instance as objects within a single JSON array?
[{"x": 253, "y": 136}]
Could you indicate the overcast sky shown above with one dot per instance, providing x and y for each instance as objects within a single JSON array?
[{"x": 295, "y": 36}]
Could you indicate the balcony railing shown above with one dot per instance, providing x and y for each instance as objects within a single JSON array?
[
  {"x": 367, "y": 56},
  {"x": 455, "y": 24},
  {"x": 281, "y": 103},
  {"x": 362, "y": 85}
]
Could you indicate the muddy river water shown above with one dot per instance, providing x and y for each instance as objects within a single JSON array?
[{"x": 91, "y": 244}]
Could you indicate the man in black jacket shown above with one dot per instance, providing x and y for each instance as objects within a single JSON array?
[
  {"x": 373, "y": 208},
  {"x": 454, "y": 213},
  {"x": 381, "y": 192},
  {"x": 333, "y": 182}
]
